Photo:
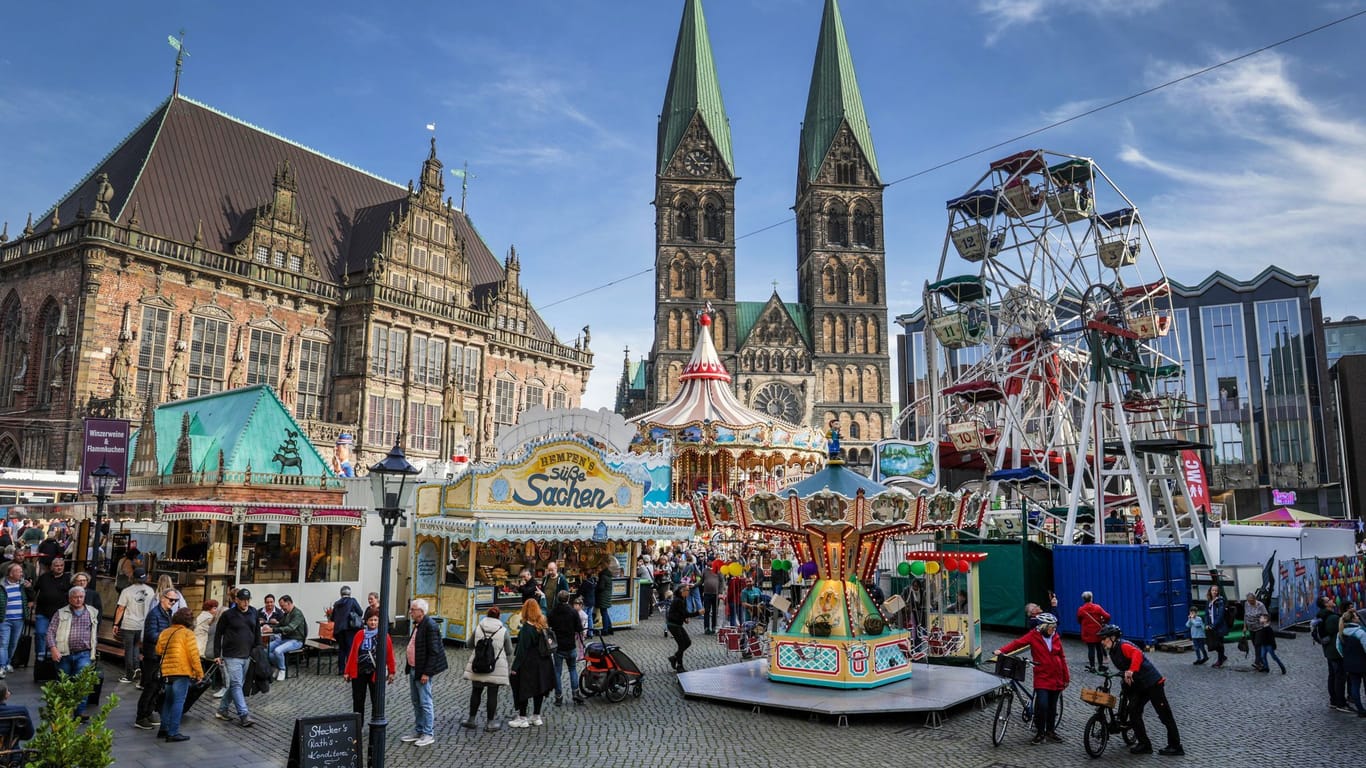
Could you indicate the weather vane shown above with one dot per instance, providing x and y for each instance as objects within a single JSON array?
[
  {"x": 180, "y": 54},
  {"x": 465, "y": 176}
]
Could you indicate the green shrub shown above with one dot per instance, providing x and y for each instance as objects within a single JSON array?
[{"x": 61, "y": 742}]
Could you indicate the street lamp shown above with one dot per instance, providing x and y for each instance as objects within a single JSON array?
[
  {"x": 393, "y": 482},
  {"x": 102, "y": 482}
]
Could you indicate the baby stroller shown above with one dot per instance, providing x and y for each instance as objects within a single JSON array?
[{"x": 608, "y": 670}]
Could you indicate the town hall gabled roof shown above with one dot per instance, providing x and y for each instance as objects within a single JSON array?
[
  {"x": 189, "y": 165},
  {"x": 834, "y": 98},
  {"x": 249, "y": 425},
  {"x": 694, "y": 89}
]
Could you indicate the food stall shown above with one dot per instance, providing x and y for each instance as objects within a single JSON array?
[{"x": 559, "y": 502}]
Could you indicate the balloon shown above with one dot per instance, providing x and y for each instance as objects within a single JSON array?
[
  {"x": 717, "y": 563},
  {"x": 964, "y": 566},
  {"x": 931, "y": 567},
  {"x": 715, "y": 568},
  {"x": 918, "y": 567},
  {"x": 809, "y": 569},
  {"x": 903, "y": 568},
  {"x": 950, "y": 564}
]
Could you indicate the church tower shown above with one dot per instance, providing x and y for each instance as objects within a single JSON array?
[
  {"x": 694, "y": 211},
  {"x": 841, "y": 264}
]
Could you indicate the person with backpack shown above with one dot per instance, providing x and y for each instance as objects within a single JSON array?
[
  {"x": 1219, "y": 620},
  {"x": 1351, "y": 643},
  {"x": 362, "y": 663},
  {"x": 532, "y": 669},
  {"x": 1325, "y": 632},
  {"x": 1145, "y": 685},
  {"x": 347, "y": 621},
  {"x": 487, "y": 666}
]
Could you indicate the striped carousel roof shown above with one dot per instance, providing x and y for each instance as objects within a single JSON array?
[{"x": 705, "y": 395}]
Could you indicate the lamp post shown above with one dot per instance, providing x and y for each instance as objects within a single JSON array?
[
  {"x": 102, "y": 482},
  {"x": 393, "y": 483}
]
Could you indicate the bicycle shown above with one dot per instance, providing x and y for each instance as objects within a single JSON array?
[
  {"x": 1112, "y": 716},
  {"x": 1012, "y": 671}
]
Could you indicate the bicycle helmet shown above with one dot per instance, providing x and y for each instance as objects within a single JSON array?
[
  {"x": 1110, "y": 630},
  {"x": 1046, "y": 618}
]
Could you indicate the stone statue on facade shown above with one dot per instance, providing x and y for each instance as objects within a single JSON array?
[{"x": 177, "y": 373}]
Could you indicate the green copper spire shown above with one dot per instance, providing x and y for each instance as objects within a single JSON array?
[
  {"x": 693, "y": 89},
  {"x": 834, "y": 98}
]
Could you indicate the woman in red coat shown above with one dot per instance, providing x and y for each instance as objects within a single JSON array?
[
  {"x": 1050, "y": 673},
  {"x": 1092, "y": 617},
  {"x": 363, "y": 665}
]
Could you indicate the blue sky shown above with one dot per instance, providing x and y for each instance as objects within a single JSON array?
[{"x": 554, "y": 107}]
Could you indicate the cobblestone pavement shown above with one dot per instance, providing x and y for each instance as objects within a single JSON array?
[{"x": 1218, "y": 710}]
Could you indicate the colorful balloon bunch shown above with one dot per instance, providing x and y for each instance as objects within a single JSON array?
[
  {"x": 781, "y": 565},
  {"x": 732, "y": 570},
  {"x": 914, "y": 567}
]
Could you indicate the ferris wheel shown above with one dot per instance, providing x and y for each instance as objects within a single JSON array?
[{"x": 1049, "y": 349}]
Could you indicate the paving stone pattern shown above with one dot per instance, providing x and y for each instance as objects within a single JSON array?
[{"x": 1218, "y": 710}]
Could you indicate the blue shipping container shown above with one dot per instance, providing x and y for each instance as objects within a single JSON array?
[{"x": 1146, "y": 589}]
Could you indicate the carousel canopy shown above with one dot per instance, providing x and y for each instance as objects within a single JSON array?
[
  {"x": 705, "y": 396},
  {"x": 839, "y": 479}
]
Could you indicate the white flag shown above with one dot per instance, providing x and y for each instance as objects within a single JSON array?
[{"x": 431, "y": 126}]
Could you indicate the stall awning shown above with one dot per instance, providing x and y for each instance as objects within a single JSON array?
[
  {"x": 478, "y": 530},
  {"x": 256, "y": 512}
]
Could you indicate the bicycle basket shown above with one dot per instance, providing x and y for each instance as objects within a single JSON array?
[
  {"x": 1011, "y": 668},
  {"x": 1099, "y": 698}
]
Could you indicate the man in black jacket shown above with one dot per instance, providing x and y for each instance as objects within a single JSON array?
[
  {"x": 237, "y": 634},
  {"x": 347, "y": 620},
  {"x": 604, "y": 596},
  {"x": 565, "y": 623},
  {"x": 674, "y": 620},
  {"x": 49, "y": 594},
  {"x": 1328, "y": 620},
  {"x": 426, "y": 659}
]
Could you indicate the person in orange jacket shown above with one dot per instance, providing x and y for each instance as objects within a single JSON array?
[{"x": 1051, "y": 675}]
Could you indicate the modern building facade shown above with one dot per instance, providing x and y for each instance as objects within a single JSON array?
[
  {"x": 204, "y": 254},
  {"x": 1256, "y": 378},
  {"x": 823, "y": 357}
]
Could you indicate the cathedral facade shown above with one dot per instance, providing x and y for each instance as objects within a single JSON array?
[
  {"x": 205, "y": 254},
  {"x": 823, "y": 357}
]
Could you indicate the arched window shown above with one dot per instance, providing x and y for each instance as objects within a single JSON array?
[
  {"x": 713, "y": 223},
  {"x": 9, "y": 453},
  {"x": 686, "y": 220},
  {"x": 860, "y": 281},
  {"x": 678, "y": 273},
  {"x": 828, "y": 282},
  {"x": 863, "y": 227},
  {"x": 854, "y": 432},
  {"x": 837, "y": 225},
  {"x": 846, "y": 170},
  {"x": 10, "y": 350},
  {"x": 52, "y": 362}
]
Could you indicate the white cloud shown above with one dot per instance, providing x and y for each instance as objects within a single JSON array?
[
  {"x": 1265, "y": 175},
  {"x": 1006, "y": 14}
]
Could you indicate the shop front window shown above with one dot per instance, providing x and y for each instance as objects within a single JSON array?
[
  {"x": 270, "y": 553},
  {"x": 333, "y": 553}
]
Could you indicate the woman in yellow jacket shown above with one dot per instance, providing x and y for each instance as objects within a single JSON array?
[{"x": 179, "y": 666}]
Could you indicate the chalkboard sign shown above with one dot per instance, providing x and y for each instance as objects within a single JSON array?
[{"x": 330, "y": 741}]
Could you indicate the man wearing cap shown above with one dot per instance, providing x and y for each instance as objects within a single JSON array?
[
  {"x": 237, "y": 632},
  {"x": 346, "y": 620},
  {"x": 134, "y": 602}
]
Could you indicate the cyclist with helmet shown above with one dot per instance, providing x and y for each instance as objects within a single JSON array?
[
  {"x": 1145, "y": 684},
  {"x": 1050, "y": 673}
]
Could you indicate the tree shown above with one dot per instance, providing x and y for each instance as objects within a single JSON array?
[{"x": 60, "y": 741}]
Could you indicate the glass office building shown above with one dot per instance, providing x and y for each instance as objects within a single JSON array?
[{"x": 1255, "y": 366}]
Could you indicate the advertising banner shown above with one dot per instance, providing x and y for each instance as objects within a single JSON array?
[
  {"x": 1197, "y": 489},
  {"x": 1296, "y": 590},
  {"x": 105, "y": 442},
  {"x": 917, "y": 462}
]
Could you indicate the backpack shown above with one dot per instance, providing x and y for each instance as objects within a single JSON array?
[
  {"x": 549, "y": 643},
  {"x": 366, "y": 662},
  {"x": 485, "y": 657}
]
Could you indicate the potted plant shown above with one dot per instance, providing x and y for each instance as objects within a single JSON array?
[
  {"x": 873, "y": 625},
  {"x": 820, "y": 625}
]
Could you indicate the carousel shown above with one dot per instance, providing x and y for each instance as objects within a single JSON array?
[{"x": 721, "y": 448}]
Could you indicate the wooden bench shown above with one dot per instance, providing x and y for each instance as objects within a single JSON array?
[
  {"x": 109, "y": 646},
  {"x": 320, "y": 648}
]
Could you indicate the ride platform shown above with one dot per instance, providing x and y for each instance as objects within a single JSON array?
[{"x": 931, "y": 691}]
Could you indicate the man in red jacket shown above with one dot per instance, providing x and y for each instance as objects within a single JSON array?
[
  {"x": 1050, "y": 673},
  {"x": 1092, "y": 617}
]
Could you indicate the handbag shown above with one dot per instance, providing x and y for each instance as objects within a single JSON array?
[{"x": 1242, "y": 643}]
